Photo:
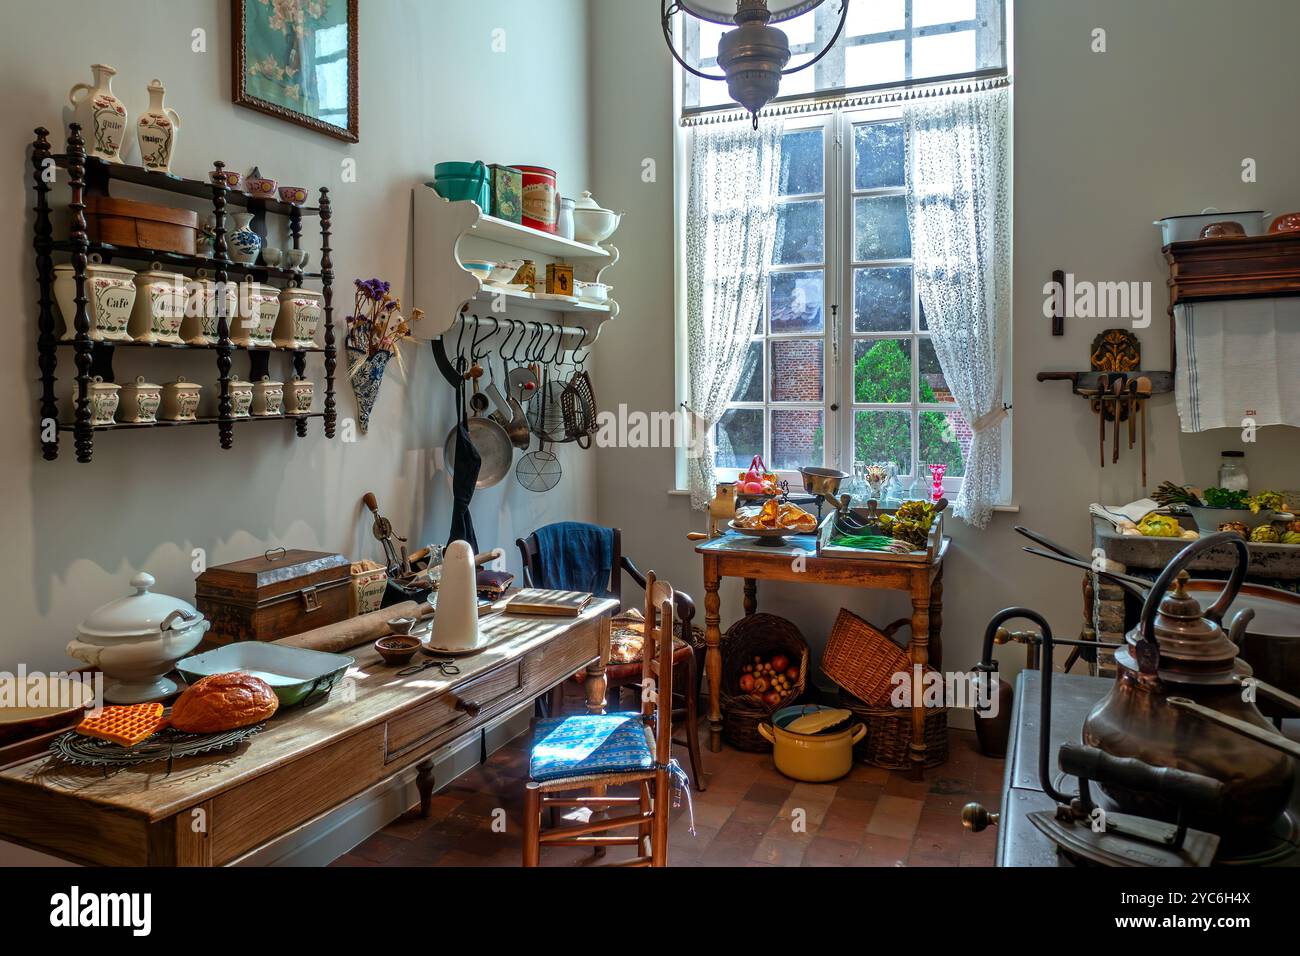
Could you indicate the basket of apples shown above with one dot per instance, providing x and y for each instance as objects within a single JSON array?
[
  {"x": 764, "y": 667},
  {"x": 757, "y": 482}
]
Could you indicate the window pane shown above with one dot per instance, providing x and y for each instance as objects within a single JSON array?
[
  {"x": 798, "y": 438},
  {"x": 795, "y": 301},
  {"x": 873, "y": 63},
  {"x": 880, "y": 228},
  {"x": 933, "y": 386},
  {"x": 876, "y": 16},
  {"x": 927, "y": 13},
  {"x": 749, "y": 388},
  {"x": 803, "y": 83},
  {"x": 802, "y": 29},
  {"x": 882, "y": 299},
  {"x": 945, "y": 438},
  {"x": 882, "y": 371},
  {"x": 883, "y": 436},
  {"x": 877, "y": 155},
  {"x": 800, "y": 233},
  {"x": 801, "y": 162},
  {"x": 944, "y": 54},
  {"x": 739, "y": 436},
  {"x": 710, "y": 34},
  {"x": 796, "y": 370}
]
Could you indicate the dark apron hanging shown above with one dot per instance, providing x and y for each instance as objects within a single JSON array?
[{"x": 464, "y": 478}]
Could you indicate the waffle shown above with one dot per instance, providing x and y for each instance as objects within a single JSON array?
[{"x": 125, "y": 725}]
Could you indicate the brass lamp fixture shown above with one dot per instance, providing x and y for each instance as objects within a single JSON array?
[{"x": 753, "y": 56}]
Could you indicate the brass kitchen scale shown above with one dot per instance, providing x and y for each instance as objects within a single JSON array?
[{"x": 1189, "y": 771}]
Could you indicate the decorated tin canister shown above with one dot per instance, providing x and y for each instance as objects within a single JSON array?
[
  {"x": 541, "y": 205},
  {"x": 507, "y": 192}
]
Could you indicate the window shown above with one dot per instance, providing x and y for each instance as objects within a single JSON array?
[
  {"x": 885, "y": 43},
  {"x": 823, "y": 385}
]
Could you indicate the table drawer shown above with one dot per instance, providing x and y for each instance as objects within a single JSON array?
[{"x": 460, "y": 704}]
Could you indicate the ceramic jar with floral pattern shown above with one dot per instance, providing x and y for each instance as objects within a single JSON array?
[
  {"x": 300, "y": 311},
  {"x": 140, "y": 401},
  {"x": 103, "y": 398},
  {"x": 110, "y": 297},
  {"x": 203, "y": 307},
  {"x": 101, "y": 114},
  {"x": 180, "y": 400},
  {"x": 268, "y": 398},
  {"x": 259, "y": 308},
  {"x": 156, "y": 131},
  {"x": 241, "y": 397},
  {"x": 301, "y": 393},
  {"x": 159, "y": 307},
  {"x": 243, "y": 243}
]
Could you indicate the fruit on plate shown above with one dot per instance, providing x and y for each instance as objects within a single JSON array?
[
  {"x": 757, "y": 480},
  {"x": 1265, "y": 534},
  {"x": 772, "y": 516},
  {"x": 126, "y": 725}
]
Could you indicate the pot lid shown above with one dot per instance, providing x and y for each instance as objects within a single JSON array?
[
  {"x": 587, "y": 201},
  {"x": 182, "y": 385},
  {"x": 1186, "y": 637},
  {"x": 141, "y": 383},
  {"x": 141, "y": 614}
]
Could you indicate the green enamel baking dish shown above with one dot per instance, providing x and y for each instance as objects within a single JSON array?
[{"x": 296, "y": 674}]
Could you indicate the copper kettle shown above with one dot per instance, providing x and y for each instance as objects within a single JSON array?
[{"x": 1179, "y": 701}]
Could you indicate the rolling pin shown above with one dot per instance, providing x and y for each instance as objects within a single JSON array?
[{"x": 345, "y": 635}]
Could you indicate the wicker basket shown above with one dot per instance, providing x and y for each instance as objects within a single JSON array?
[
  {"x": 762, "y": 635},
  {"x": 888, "y": 739},
  {"x": 863, "y": 660}
]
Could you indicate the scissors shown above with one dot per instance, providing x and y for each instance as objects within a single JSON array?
[{"x": 448, "y": 668}]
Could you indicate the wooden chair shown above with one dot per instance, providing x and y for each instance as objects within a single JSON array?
[
  {"x": 644, "y": 762},
  {"x": 686, "y": 659}
]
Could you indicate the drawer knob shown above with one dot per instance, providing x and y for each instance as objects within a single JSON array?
[{"x": 468, "y": 707}]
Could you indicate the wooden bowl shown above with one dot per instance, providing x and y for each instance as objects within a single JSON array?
[{"x": 397, "y": 649}]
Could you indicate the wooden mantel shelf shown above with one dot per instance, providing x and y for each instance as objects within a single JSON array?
[{"x": 1236, "y": 268}]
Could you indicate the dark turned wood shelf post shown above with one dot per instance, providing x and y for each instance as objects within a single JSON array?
[
  {"x": 46, "y": 343},
  {"x": 225, "y": 407},
  {"x": 83, "y": 432},
  {"x": 327, "y": 283},
  {"x": 299, "y": 358}
]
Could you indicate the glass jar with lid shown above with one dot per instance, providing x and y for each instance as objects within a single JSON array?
[{"x": 1232, "y": 471}]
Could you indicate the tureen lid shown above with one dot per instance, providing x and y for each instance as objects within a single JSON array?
[
  {"x": 587, "y": 201},
  {"x": 142, "y": 614}
]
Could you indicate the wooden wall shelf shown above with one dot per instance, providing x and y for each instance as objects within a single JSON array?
[
  {"x": 91, "y": 176},
  {"x": 1236, "y": 268}
]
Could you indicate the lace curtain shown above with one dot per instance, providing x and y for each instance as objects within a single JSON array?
[
  {"x": 958, "y": 208},
  {"x": 731, "y": 232}
]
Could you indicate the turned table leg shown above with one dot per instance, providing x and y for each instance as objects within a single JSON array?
[
  {"x": 424, "y": 784},
  {"x": 712, "y": 655},
  {"x": 920, "y": 653},
  {"x": 936, "y": 621},
  {"x": 751, "y": 596},
  {"x": 596, "y": 682}
]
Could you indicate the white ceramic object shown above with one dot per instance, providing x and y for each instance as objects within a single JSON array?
[
  {"x": 104, "y": 397},
  {"x": 136, "y": 640},
  {"x": 1188, "y": 228},
  {"x": 110, "y": 296},
  {"x": 296, "y": 259},
  {"x": 272, "y": 256},
  {"x": 242, "y": 243},
  {"x": 302, "y": 391},
  {"x": 592, "y": 291},
  {"x": 159, "y": 307},
  {"x": 255, "y": 318},
  {"x": 299, "y": 318},
  {"x": 455, "y": 622},
  {"x": 203, "y": 307},
  {"x": 101, "y": 114},
  {"x": 482, "y": 268},
  {"x": 592, "y": 223},
  {"x": 241, "y": 397},
  {"x": 156, "y": 131},
  {"x": 268, "y": 398},
  {"x": 180, "y": 400},
  {"x": 140, "y": 401}
]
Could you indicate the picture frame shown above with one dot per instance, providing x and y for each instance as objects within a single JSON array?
[{"x": 270, "y": 72}]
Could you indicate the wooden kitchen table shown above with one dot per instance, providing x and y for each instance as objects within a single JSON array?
[
  {"x": 218, "y": 809},
  {"x": 737, "y": 556}
]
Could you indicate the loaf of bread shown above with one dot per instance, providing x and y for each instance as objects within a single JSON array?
[{"x": 223, "y": 702}]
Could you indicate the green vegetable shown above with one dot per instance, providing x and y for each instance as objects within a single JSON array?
[
  {"x": 1171, "y": 494},
  {"x": 1160, "y": 526},
  {"x": 1291, "y": 537},
  {"x": 1265, "y": 534},
  {"x": 1224, "y": 498},
  {"x": 1267, "y": 501}
]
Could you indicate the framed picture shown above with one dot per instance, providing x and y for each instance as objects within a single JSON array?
[{"x": 297, "y": 59}]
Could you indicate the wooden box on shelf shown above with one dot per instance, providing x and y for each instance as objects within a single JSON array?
[{"x": 141, "y": 225}]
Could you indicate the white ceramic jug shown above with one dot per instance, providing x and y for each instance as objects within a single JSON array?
[
  {"x": 101, "y": 114},
  {"x": 156, "y": 131}
]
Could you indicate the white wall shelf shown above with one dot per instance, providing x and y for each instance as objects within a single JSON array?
[{"x": 449, "y": 233}]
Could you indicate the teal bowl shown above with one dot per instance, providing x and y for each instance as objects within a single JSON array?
[{"x": 460, "y": 181}]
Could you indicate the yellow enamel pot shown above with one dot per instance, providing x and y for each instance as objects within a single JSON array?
[{"x": 812, "y": 758}]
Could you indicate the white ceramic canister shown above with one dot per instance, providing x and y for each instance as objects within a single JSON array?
[
  {"x": 203, "y": 307},
  {"x": 103, "y": 400},
  {"x": 140, "y": 401},
  {"x": 110, "y": 296},
  {"x": 302, "y": 391},
  {"x": 159, "y": 306},
  {"x": 156, "y": 131},
  {"x": 101, "y": 114},
  {"x": 180, "y": 400},
  {"x": 241, "y": 397},
  {"x": 268, "y": 398},
  {"x": 564, "y": 225},
  {"x": 299, "y": 318},
  {"x": 259, "y": 308}
]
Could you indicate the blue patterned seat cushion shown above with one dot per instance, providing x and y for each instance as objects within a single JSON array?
[{"x": 589, "y": 743}]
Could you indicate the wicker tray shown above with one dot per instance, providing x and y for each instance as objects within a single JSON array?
[
  {"x": 863, "y": 660},
  {"x": 825, "y": 549},
  {"x": 887, "y": 742},
  {"x": 762, "y": 635}
]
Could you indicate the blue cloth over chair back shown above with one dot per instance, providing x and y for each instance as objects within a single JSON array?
[{"x": 573, "y": 556}]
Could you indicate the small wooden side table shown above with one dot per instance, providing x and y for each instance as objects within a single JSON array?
[{"x": 737, "y": 556}]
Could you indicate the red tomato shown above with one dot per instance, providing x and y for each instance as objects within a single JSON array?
[
  {"x": 780, "y": 662},
  {"x": 746, "y": 683}
]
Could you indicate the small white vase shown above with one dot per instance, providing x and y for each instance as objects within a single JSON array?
[
  {"x": 156, "y": 131},
  {"x": 101, "y": 114},
  {"x": 455, "y": 620}
]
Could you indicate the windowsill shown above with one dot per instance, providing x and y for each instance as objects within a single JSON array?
[{"x": 1011, "y": 509}]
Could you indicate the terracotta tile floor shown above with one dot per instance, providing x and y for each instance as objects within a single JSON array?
[{"x": 751, "y": 815}]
